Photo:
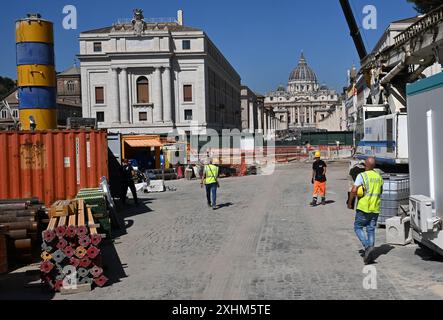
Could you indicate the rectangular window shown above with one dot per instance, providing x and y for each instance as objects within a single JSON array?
[
  {"x": 100, "y": 116},
  {"x": 99, "y": 95},
  {"x": 4, "y": 114},
  {"x": 142, "y": 116},
  {"x": 143, "y": 91},
  {"x": 15, "y": 113},
  {"x": 390, "y": 135},
  {"x": 187, "y": 93},
  {"x": 97, "y": 47},
  {"x": 186, "y": 44},
  {"x": 188, "y": 115}
]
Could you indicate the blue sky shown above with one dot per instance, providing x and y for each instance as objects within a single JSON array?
[{"x": 261, "y": 39}]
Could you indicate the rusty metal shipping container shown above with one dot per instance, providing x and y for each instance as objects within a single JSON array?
[{"x": 51, "y": 165}]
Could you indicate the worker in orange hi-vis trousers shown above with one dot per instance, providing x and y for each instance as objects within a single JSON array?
[{"x": 319, "y": 180}]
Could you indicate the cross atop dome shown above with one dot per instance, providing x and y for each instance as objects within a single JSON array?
[{"x": 302, "y": 58}]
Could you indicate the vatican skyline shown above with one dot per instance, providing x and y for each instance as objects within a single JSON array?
[{"x": 263, "y": 41}]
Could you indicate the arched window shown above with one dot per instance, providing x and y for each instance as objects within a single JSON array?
[
  {"x": 142, "y": 90},
  {"x": 70, "y": 86}
]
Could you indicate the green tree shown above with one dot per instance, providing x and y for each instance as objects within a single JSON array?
[
  {"x": 6, "y": 85},
  {"x": 424, "y": 6}
]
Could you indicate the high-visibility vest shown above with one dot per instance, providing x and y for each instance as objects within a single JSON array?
[
  {"x": 373, "y": 186},
  {"x": 211, "y": 174}
]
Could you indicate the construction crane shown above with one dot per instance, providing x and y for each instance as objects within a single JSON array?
[{"x": 355, "y": 31}]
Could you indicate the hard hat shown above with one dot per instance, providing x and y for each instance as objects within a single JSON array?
[
  {"x": 360, "y": 192},
  {"x": 318, "y": 154}
]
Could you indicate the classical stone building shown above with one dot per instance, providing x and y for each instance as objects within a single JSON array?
[
  {"x": 8, "y": 120},
  {"x": 69, "y": 95},
  {"x": 335, "y": 120},
  {"x": 69, "y": 88},
  {"x": 257, "y": 118},
  {"x": 304, "y": 103},
  {"x": 249, "y": 109},
  {"x": 151, "y": 76}
]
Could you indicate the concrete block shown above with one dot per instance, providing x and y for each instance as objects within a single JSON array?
[
  {"x": 398, "y": 231},
  {"x": 138, "y": 187},
  {"x": 156, "y": 186}
]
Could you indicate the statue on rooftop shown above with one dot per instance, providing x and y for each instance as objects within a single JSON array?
[{"x": 138, "y": 22}]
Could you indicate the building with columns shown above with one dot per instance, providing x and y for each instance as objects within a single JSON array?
[
  {"x": 304, "y": 102},
  {"x": 256, "y": 117},
  {"x": 249, "y": 110},
  {"x": 152, "y": 76}
]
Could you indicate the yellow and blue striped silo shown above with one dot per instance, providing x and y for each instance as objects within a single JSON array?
[{"x": 36, "y": 73}]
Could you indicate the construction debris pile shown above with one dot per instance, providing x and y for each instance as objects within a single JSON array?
[
  {"x": 19, "y": 226},
  {"x": 71, "y": 248}
]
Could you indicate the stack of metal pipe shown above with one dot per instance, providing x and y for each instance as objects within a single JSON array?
[
  {"x": 71, "y": 254},
  {"x": 19, "y": 222}
]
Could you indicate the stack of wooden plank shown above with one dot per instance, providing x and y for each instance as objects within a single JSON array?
[
  {"x": 19, "y": 223},
  {"x": 62, "y": 208},
  {"x": 95, "y": 198},
  {"x": 71, "y": 255}
]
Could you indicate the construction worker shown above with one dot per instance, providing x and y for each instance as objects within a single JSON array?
[
  {"x": 210, "y": 180},
  {"x": 127, "y": 181},
  {"x": 319, "y": 179},
  {"x": 353, "y": 174},
  {"x": 370, "y": 185}
]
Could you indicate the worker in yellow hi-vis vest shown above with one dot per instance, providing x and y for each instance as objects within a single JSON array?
[
  {"x": 368, "y": 187},
  {"x": 210, "y": 180}
]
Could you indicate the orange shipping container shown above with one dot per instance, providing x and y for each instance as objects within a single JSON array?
[{"x": 51, "y": 165}]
